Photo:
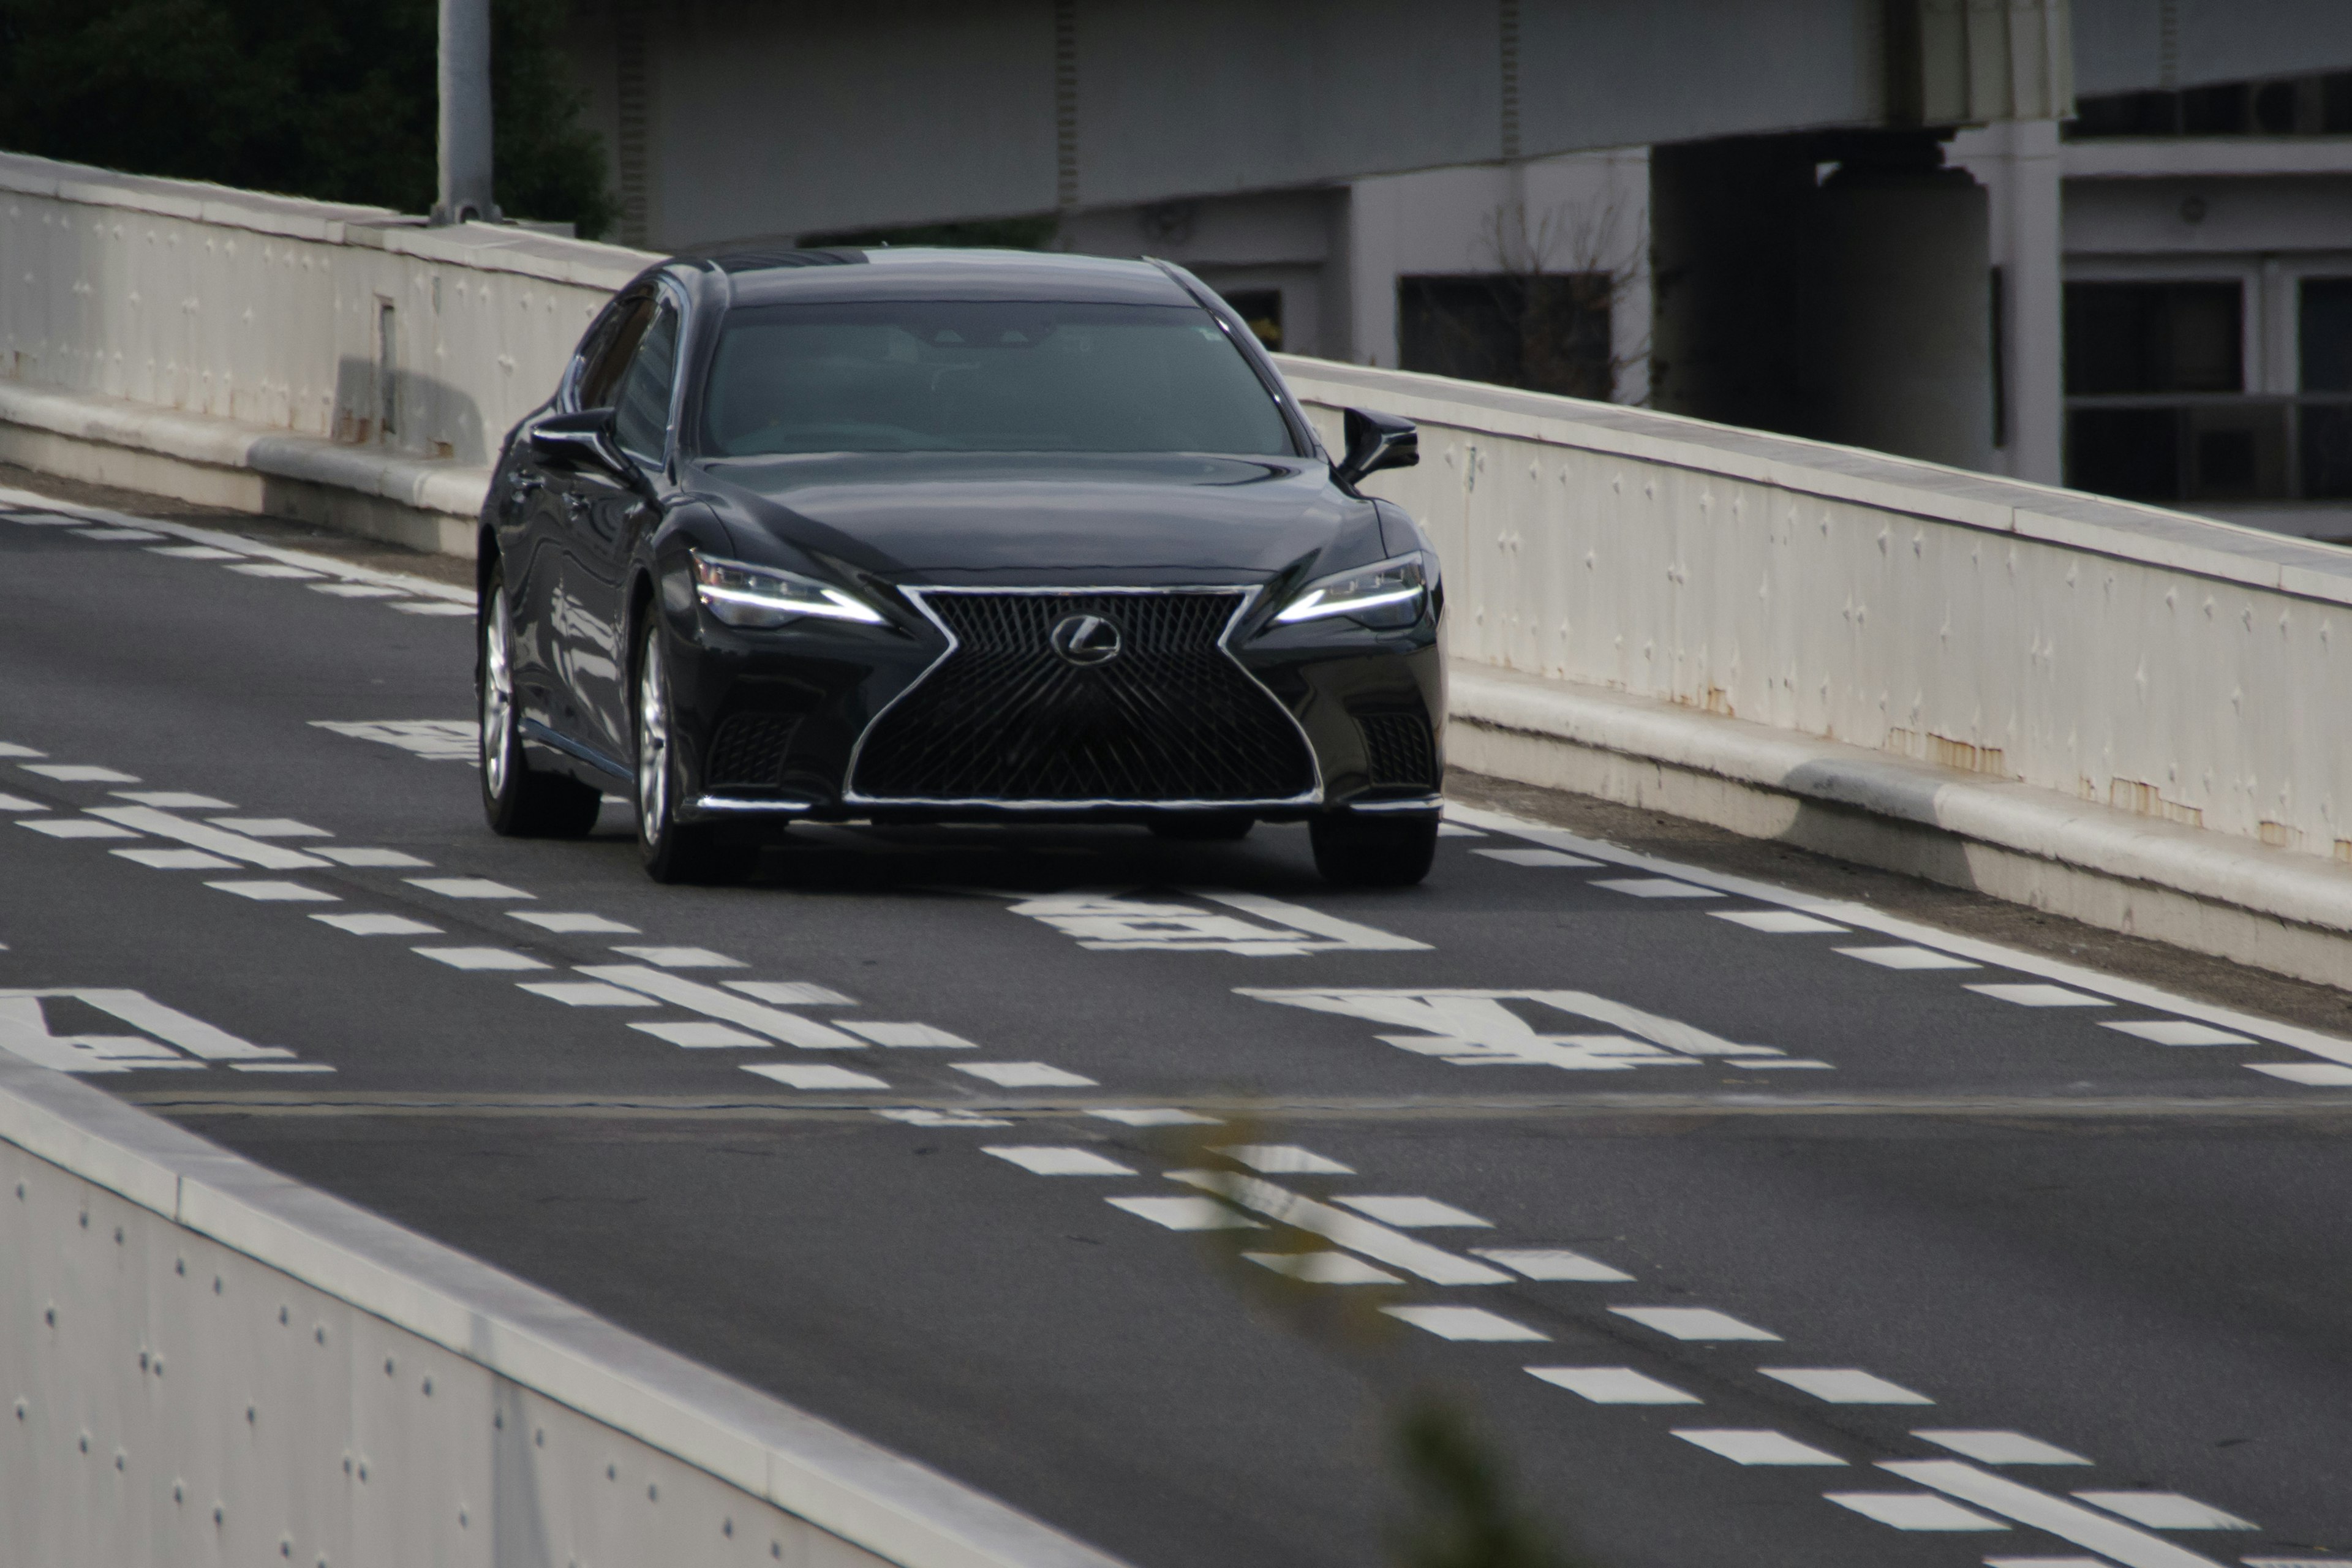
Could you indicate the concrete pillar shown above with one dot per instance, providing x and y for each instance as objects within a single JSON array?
[
  {"x": 1903, "y": 303},
  {"x": 2017, "y": 162},
  {"x": 465, "y": 163}
]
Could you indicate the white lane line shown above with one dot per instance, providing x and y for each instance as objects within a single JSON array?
[
  {"x": 1553, "y": 1263},
  {"x": 1048, "y": 1159},
  {"x": 378, "y": 925},
  {"x": 585, "y": 994},
  {"x": 428, "y": 606},
  {"x": 1905, "y": 957},
  {"x": 2069, "y": 1522},
  {"x": 267, "y": 891},
  {"x": 2176, "y": 1032},
  {"x": 19, "y": 803},
  {"x": 269, "y": 827},
  {"x": 555, "y": 920},
  {"x": 1466, "y": 1324},
  {"x": 1696, "y": 1323},
  {"x": 1775, "y": 922},
  {"x": 1756, "y": 1446},
  {"x": 74, "y": 827},
  {"x": 1354, "y": 1232},
  {"x": 1845, "y": 1385},
  {"x": 1926, "y": 1511},
  {"x": 702, "y": 1035},
  {"x": 1323, "y": 1268},
  {"x": 171, "y": 800},
  {"x": 1456, "y": 830},
  {"x": 279, "y": 1066},
  {"x": 176, "y": 859},
  {"x": 194, "y": 552},
  {"x": 1613, "y": 1385},
  {"x": 191, "y": 1035},
  {"x": 2164, "y": 1510},
  {"x": 119, "y": 535},
  {"x": 2000, "y": 1448},
  {"x": 919, "y": 1037},
  {"x": 2102, "y": 1562},
  {"x": 2313, "y": 1075},
  {"x": 2040, "y": 995},
  {"x": 1472, "y": 1026},
  {"x": 814, "y": 1077},
  {"x": 466, "y": 888},
  {"x": 435, "y": 740},
  {"x": 789, "y": 993},
  {"x": 275, "y": 569},
  {"x": 77, "y": 772},
  {"x": 789, "y": 1029},
  {"x": 1151, "y": 1116},
  {"x": 924, "y": 1116},
  {"x": 2329, "y": 1048},
  {"x": 1535, "y": 857},
  {"x": 1025, "y": 1075},
  {"x": 355, "y": 590},
  {"x": 680, "y": 957},
  {"x": 1285, "y": 1160},
  {"x": 1413, "y": 1213},
  {"x": 479, "y": 958},
  {"x": 1655, "y": 888},
  {"x": 1298, "y": 917},
  {"x": 362, "y": 856},
  {"x": 204, "y": 835},
  {"x": 1794, "y": 1063},
  {"x": 10, "y": 749},
  {"x": 1186, "y": 1213}
]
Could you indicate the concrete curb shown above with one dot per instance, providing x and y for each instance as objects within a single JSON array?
[
  {"x": 220, "y": 462},
  {"x": 2272, "y": 908},
  {"x": 901, "y": 1510}
]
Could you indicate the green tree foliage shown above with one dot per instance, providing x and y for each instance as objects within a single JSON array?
[{"x": 329, "y": 99}]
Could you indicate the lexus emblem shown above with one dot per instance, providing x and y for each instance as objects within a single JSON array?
[{"x": 1084, "y": 639}]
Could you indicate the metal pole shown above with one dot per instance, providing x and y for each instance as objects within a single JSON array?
[{"x": 466, "y": 170}]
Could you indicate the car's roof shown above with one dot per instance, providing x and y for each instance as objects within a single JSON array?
[{"x": 882, "y": 272}]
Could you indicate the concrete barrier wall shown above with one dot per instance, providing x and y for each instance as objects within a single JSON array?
[
  {"x": 277, "y": 313},
  {"x": 2162, "y": 664},
  {"x": 204, "y": 1363}
]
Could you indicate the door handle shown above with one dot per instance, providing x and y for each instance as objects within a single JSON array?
[{"x": 526, "y": 484}]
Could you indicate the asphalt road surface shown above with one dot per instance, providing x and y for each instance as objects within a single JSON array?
[{"x": 1146, "y": 1186}]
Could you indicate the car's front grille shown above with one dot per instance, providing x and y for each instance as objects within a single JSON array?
[
  {"x": 1004, "y": 717},
  {"x": 1397, "y": 749},
  {"x": 750, "y": 751}
]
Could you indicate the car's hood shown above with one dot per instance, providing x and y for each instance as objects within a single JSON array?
[{"x": 1004, "y": 518}]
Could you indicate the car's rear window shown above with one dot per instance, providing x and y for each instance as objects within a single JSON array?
[{"x": 996, "y": 376}]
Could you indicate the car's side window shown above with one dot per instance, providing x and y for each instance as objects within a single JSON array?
[
  {"x": 641, "y": 411},
  {"x": 610, "y": 354}
]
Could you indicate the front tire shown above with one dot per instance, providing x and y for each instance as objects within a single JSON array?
[
  {"x": 520, "y": 801},
  {"x": 673, "y": 852},
  {"x": 1374, "y": 852}
]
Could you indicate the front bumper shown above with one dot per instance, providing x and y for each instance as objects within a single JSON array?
[{"x": 769, "y": 724}]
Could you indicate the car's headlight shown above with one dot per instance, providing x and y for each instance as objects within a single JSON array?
[
  {"x": 741, "y": 594},
  {"x": 1391, "y": 593}
]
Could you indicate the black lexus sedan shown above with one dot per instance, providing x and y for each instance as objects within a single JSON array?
[{"x": 936, "y": 535}]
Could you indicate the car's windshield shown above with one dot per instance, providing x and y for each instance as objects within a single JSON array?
[{"x": 997, "y": 376}]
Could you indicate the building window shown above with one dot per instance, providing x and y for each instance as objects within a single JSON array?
[
  {"x": 1543, "y": 332},
  {"x": 2284, "y": 106},
  {"x": 2324, "y": 338},
  {"x": 1262, "y": 309}
]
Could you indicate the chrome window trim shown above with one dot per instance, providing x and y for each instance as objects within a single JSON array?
[{"x": 1249, "y": 592}]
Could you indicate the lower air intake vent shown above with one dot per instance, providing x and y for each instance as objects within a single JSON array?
[
  {"x": 1167, "y": 716},
  {"x": 1398, "y": 750},
  {"x": 750, "y": 751}
]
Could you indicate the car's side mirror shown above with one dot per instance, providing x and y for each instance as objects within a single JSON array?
[
  {"x": 580, "y": 440},
  {"x": 1376, "y": 441}
]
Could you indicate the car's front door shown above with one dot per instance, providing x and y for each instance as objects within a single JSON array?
[{"x": 601, "y": 516}]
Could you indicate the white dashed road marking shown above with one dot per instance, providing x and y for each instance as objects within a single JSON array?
[
  {"x": 1413, "y": 1213},
  {"x": 2000, "y": 1448},
  {"x": 1906, "y": 958},
  {"x": 1845, "y": 1385},
  {"x": 1697, "y": 1323},
  {"x": 817, "y": 1076},
  {"x": 1323, "y": 1268},
  {"x": 379, "y": 925},
  {"x": 276, "y": 892},
  {"x": 1553, "y": 1263},
  {"x": 1025, "y": 1075},
  {"x": 1927, "y": 1511},
  {"x": 478, "y": 957},
  {"x": 1186, "y": 1213},
  {"x": 1042, "y": 1160},
  {"x": 1744, "y": 1446},
  {"x": 1613, "y": 1385},
  {"x": 1466, "y": 1324}
]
